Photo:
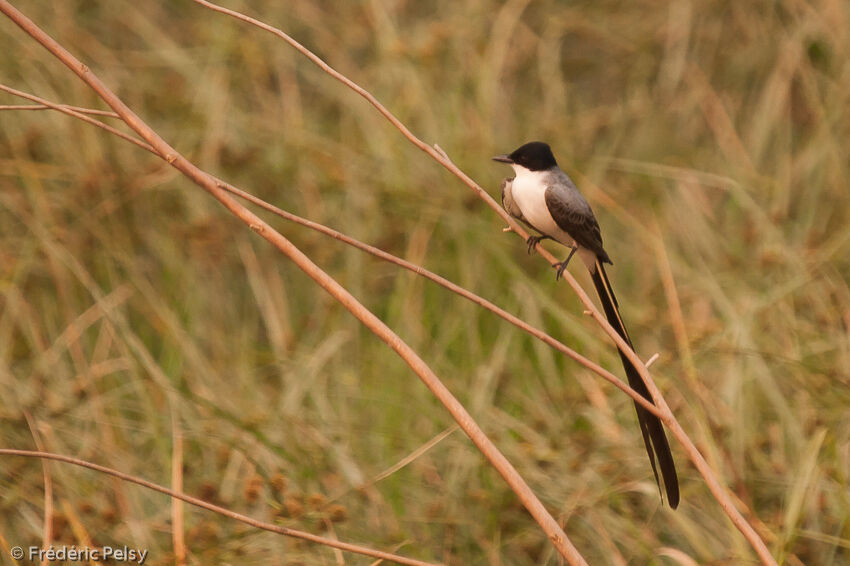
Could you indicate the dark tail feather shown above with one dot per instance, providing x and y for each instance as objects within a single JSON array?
[{"x": 650, "y": 426}]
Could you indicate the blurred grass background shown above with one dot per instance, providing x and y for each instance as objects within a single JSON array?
[{"x": 710, "y": 137}]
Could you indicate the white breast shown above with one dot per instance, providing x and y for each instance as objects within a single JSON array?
[{"x": 528, "y": 190}]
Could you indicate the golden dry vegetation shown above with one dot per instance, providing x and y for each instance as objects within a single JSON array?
[{"x": 710, "y": 137}]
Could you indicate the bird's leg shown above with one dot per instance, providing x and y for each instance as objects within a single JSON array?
[
  {"x": 561, "y": 266},
  {"x": 532, "y": 241}
]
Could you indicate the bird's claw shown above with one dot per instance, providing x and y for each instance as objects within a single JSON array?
[
  {"x": 532, "y": 242},
  {"x": 560, "y": 266}
]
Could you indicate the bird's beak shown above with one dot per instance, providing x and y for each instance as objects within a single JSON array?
[{"x": 503, "y": 159}]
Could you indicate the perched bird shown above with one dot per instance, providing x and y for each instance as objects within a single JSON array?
[{"x": 545, "y": 199}]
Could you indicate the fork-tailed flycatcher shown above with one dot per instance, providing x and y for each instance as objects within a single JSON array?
[{"x": 544, "y": 198}]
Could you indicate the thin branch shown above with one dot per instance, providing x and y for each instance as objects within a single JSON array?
[
  {"x": 718, "y": 490},
  {"x": 454, "y": 288},
  {"x": 79, "y": 109},
  {"x": 215, "y": 508},
  {"x": 376, "y": 325},
  {"x": 81, "y": 114},
  {"x": 413, "y": 456}
]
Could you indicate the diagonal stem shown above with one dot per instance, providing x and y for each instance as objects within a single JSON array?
[{"x": 295, "y": 533}]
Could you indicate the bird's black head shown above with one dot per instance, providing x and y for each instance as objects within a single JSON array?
[{"x": 535, "y": 156}]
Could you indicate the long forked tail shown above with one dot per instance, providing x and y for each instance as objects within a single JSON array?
[{"x": 650, "y": 426}]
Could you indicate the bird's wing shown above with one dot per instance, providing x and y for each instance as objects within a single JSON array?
[
  {"x": 576, "y": 219},
  {"x": 508, "y": 202}
]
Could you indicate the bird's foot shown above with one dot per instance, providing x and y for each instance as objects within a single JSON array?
[
  {"x": 532, "y": 242},
  {"x": 562, "y": 265}
]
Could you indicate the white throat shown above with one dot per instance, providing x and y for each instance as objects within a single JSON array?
[
  {"x": 527, "y": 180},
  {"x": 523, "y": 174}
]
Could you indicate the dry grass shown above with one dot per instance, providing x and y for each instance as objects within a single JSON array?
[{"x": 710, "y": 140}]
